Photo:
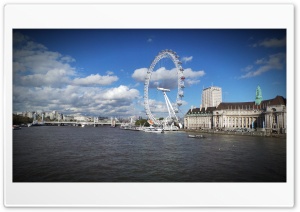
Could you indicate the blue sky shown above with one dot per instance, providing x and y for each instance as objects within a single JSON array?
[{"x": 101, "y": 72}]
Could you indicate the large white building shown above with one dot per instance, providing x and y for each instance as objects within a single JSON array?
[
  {"x": 211, "y": 97},
  {"x": 259, "y": 114}
]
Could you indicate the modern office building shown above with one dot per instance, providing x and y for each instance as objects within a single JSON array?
[{"x": 211, "y": 97}]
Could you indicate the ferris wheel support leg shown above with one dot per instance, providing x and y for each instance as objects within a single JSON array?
[
  {"x": 167, "y": 103},
  {"x": 170, "y": 107}
]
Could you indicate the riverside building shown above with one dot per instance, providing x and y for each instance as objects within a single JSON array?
[
  {"x": 259, "y": 114},
  {"x": 211, "y": 96}
]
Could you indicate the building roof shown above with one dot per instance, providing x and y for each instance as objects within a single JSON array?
[
  {"x": 211, "y": 87},
  {"x": 278, "y": 100},
  {"x": 201, "y": 110}
]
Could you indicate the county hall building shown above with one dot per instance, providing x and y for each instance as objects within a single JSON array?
[{"x": 259, "y": 114}]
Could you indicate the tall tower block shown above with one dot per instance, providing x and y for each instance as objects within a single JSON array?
[{"x": 211, "y": 96}]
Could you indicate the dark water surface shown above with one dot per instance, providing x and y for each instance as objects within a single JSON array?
[{"x": 104, "y": 154}]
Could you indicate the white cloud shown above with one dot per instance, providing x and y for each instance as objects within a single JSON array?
[
  {"x": 121, "y": 92},
  {"x": 149, "y": 40},
  {"x": 189, "y": 73},
  {"x": 190, "y": 82},
  {"x": 109, "y": 73},
  {"x": 53, "y": 78},
  {"x": 140, "y": 74},
  {"x": 157, "y": 107},
  {"x": 75, "y": 99},
  {"x": 247, "y": 68},
  {"x": 40, "y": 61},
  {"x": 19, "y": 38},
  {"x": 187, "y": 59},
  {"x": 68, "y": 59},
  {"x": 48, "y": 68},
  {"x": 164, "y": 74},
  {"x": 46, "y": 80},
  {"x": 95, "y": 79},
  {"x": 271, "y": 43},
  {"x": 273, "y": 62},
  {"x": 167, "y": 78},
  {"x": 260, "y": 61},
  {"x": 36, "y": 58}
]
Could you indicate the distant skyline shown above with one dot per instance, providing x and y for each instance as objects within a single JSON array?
[{"x": 100, "y": 72}]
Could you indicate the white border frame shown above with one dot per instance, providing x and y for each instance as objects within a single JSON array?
[{"x": 147, "y": 194}]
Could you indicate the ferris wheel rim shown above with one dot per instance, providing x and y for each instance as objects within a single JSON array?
[{"x": 180, "y": 81}]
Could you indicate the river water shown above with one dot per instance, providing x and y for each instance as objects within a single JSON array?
[{"x": 105, "y": 154}]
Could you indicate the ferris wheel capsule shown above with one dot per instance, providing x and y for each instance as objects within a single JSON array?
[{"x": 181, "y": 93}]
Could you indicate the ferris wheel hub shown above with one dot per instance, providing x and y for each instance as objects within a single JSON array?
[{"x": 163, "y": 89}]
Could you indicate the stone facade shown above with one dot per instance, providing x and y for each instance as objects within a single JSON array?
[
  {"x": 268, "y": 115},
  {"x": 199, "y": 118}
]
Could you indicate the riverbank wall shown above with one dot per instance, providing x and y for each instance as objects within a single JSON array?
[{"x": 221, "y": 132}]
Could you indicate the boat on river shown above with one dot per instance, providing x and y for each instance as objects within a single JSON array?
[
  {"x": 154, "y": 130},
  {"x": 196, "y": 136}
]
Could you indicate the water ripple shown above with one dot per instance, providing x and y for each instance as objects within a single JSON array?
[{"x": 104, "y": 154}]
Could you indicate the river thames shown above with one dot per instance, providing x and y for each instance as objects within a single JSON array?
[{"x": 105, "y": 154}]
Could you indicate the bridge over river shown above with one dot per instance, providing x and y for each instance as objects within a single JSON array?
[{"x": 79, "y": 123}]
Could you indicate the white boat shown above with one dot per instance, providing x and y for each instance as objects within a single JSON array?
[
  {"x": 196, "y": 136},
  {"x": 153, "y": 130},
  {"x": 171, "y": 128},
  {"x": 82, "y": 125},
  {"x": 139, "y": 128}
]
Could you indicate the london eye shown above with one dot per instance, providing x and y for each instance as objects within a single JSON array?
[{"x": 178, "y": 86}]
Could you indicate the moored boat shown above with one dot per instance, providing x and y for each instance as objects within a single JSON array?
[
  {"x": 154, "y": 130},
  {"x": 196, "y": 136}
]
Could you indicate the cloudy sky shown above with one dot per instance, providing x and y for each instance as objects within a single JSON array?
[{"x": 101, "y": 72}]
